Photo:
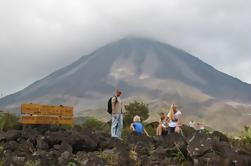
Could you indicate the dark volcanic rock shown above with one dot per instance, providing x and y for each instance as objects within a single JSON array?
[
  {"x": 88, "y": 147},
  {"x": 12, "y": 135},
  {"x": 200, "y": 145},
  {"x": 2, "y": 136},
  {"x": 89, "y": 159},
  {"x": 64, "y": 158},
  {"x": 11, "y": 145},
  {"x": 221, "y": 137},
  {"x": 83, "y": 143},
  {"x": 188, "y": 132},
  {"x": 42, "y": 144},
  {"x": 27, "y": 147},
  {"x": 64, "y": 146}
]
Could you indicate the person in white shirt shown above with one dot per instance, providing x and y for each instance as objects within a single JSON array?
[{"x": 174, "y": 117}]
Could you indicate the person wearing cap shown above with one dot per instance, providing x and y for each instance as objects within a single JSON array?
[
  {"x": 137, "y": 127},
  {"x": 117, "y": 115},
  {"x": 174, "y": 117}
]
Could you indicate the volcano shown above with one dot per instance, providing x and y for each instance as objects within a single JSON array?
[{"x": 148, "y": 69}]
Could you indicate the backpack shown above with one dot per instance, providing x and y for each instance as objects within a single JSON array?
[{"x": 109, "y": 109}]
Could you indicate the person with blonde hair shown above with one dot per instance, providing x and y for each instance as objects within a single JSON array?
[
  {"x": 137, "y": 127},
  {"x": 162, "y": 128},
  {"x": 174, "y": 118}
]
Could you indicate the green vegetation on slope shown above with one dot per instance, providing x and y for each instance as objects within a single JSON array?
[{"x": 7, "y": 121}]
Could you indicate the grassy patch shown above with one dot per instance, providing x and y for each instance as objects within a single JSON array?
[
  {"x": 93, "y": 123},
  {"x": 109, "y": 158},
  {"x": 71, "y": 164},
  {"x": 178, "y": 155},
  {"x": 32, "y": 163}
]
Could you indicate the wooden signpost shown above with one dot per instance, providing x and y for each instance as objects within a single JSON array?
[{"x": 46, "y": 114}]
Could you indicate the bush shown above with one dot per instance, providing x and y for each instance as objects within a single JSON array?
[
  {"x": 93, "y": 123},
  {"x": 246, "y": 135},
  {"x": 135, "y": 108},
  {"x": 150, "y": 129},
  {"x": 8, "y": 121}
]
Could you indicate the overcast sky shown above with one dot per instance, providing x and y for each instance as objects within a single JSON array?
[{"x": 38, "y": 37}]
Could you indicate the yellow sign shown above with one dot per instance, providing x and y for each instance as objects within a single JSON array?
[
  {"x": 46, "y": 120},
  {"x": 46, "y": 114},
  {"x": 38, "y": 109}
]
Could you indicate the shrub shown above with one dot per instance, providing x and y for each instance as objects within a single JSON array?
[
  {"x": 150, "y": 129},
  {"x": 135, "y": 108},
  {"x": 8, "y": 121},
  {"x": 93, "y": 123},
  {"x": 246, "y": 135},
  {"x": 178, "y": 155}
]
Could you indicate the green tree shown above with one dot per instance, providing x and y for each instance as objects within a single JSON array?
[{"x": 135, "y": 108}]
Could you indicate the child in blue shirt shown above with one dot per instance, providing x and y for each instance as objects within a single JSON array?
[{"x": 137, "y": 126}]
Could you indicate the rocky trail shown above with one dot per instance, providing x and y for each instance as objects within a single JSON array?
[{"x": 46, "y": 145}]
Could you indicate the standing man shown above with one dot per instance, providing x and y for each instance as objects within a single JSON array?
[{"x": 117, "y": 116}]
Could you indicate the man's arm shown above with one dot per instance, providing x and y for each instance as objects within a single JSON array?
[{"x": 113, "y": 104}]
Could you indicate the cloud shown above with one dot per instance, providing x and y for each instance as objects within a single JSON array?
[{"x": 38, "y": 37}]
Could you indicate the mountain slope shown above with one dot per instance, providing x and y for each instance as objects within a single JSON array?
[
  {"x": 129, "y": 61},
  {"x": 148, "y": 70},
  {"x": 141, "y": 67}
]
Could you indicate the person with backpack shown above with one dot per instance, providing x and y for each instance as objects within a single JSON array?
[
  {"x": 137, "y": 127},
  {"x": 115, "y": 109},
  {"x": 174, "y": 118}
]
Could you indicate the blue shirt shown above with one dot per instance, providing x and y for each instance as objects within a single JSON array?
[{"x": 139, "y": 129}]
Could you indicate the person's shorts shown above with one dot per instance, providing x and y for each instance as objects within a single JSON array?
[
  {"x": 171, "y": 130},
  {"x": 164, "y": 131}
]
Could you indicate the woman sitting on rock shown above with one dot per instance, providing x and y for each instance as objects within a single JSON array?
[
  {"x": 174, "y": 118},
  {"x": 137, "y": 127},
  {"x": 163, "y": 125}
]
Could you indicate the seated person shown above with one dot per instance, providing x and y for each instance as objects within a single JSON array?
[
  {"x": 137, "y": 127},
  {"x": 163, "y": 125},
  {"x": 174, "y": 116}
]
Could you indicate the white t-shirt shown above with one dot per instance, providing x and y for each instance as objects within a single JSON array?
[
  {"x": 118, "y": 105},
  {"x": 163, "y": 123},
  {"x": 176, "y": 116}
]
